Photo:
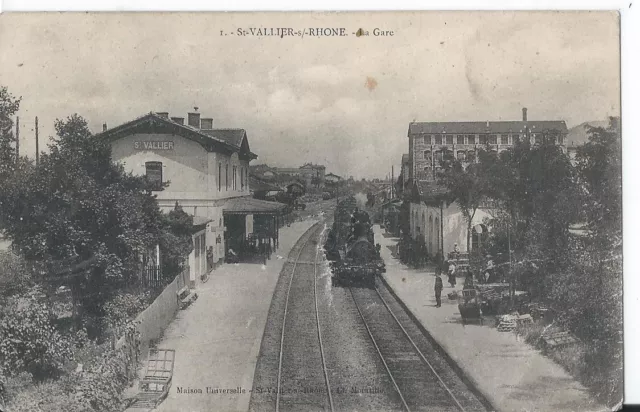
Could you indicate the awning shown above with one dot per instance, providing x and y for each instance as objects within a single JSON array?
[{"x": 249, "y": 205}]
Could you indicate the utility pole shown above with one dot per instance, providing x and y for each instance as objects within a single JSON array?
[
  {"x": 17, "y": 139},
  {"x": 512, "y": 285},
  {"x": 392, "y": 176},
  {"x": 37, "y": 143}
]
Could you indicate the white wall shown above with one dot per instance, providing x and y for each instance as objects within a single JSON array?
[
  {"x": 454, "y": 226},
  {"x": 193, "y": 174}
]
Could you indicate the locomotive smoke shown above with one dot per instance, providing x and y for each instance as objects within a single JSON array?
[{"x": 361, "y": 200}]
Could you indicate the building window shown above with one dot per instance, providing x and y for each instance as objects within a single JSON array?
[
  {"x": 449, "y": 139},
  {"x": 419, "y": 140},
  {"x": 154, "y": 174},
  {"x": 536, "y": 138},
  {"x": 438, "y": 157},
  {"x": 219, "y": 176},
  {"x": 428, "y": 140},
  {"x": 427, "y": 155},
  {"x": 234, "y": 180},
  {"x": 471, "y": 139},
  {"x": 560, "y": 139},
  {"x": 242, "y": 178},
  {"x": 461, "y": 155},
  {"x": 515, "y": 138},
  {"x": 226, "y": 176},
  {"x": 493, "y": 139},
  {"x": 460, "y": 139},
  {"x": 438, "y": 139},
  {"x": 483, "y": 139},
  {"x": 504, "y": 139}
]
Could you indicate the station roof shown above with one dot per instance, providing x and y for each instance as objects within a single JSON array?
[
  {"x": 249, "y": 205},
  {"x": 225, "y": 140},
  {"x": 486, "y": 127}
]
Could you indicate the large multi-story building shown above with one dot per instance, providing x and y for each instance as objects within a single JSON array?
[
  {"x": 434, "y": 217},
  {"x": 431, "y": 142},
  {"x": 311, "y": 174}
]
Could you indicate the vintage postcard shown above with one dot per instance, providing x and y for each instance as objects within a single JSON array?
[{"x": 390, "y": 211}]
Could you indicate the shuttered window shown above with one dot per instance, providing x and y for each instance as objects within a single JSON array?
[{"x": 154, "y": 174}]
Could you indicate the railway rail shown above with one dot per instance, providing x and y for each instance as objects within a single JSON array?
[
  {"x": 421, "y": 379},
  {"x": 295, "y": 388}
]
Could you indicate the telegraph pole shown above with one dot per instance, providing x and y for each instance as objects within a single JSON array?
[
  {"x": 37, "y": 143},
  {"x": 17, "y": 139},
  {"x": 392, "y": 181}
]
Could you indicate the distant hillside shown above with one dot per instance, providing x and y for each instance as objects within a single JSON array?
[{"x": 578, "y": 135}]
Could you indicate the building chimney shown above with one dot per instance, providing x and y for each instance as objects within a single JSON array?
[
  {"x": 206, "y": 123},
  {"x": 194, "y": 119},
  {"x": 179, "y": 120},
  {"x": 164, "y": 115},
  {"x": 104, "y": 127},
  {"x": 524, "y": 114}
]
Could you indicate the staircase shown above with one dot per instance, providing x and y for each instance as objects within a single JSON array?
[{"x": 186, "y": 297}]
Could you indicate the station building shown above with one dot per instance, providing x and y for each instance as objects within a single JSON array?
[{"x": 207, "y": 172}]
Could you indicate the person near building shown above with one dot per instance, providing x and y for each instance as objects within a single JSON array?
[
  {"x": 456, "y": 252},
  {"x": 438, "y": 288},
  {"x": 488, "y": 272},
  {"x": 451, "y": 271},
  {"x": 210, "y": 257}
]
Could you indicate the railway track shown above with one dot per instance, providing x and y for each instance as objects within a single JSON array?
[
  {"x": 420, "y": 377},
  {"x": 301, "y": 341},
  {"x": 327, "y": 349},
  {"x": 292, "y": 374}
]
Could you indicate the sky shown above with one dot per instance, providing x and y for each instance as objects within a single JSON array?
[{"x": 345, "y": 102}]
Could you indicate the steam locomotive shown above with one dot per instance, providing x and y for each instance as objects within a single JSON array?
[{"x": 350, "y": 247}]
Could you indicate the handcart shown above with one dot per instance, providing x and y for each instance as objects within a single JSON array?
[
  {"x": 469, "y": 306},
  {"x": 154, "y": 386}
]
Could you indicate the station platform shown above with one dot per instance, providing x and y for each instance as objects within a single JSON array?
[
  {"x": 510, "y": 374},
  {"x": 217, "y": 339}
]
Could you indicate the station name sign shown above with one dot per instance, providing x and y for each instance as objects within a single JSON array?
[{"x": 153, "y": 145}]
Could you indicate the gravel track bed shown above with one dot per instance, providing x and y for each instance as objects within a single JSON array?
[
  {"x": 265, "y": 381},
  {"x": 356, "y": 374},
  {"x": 421, "y": 388},
  {"x": 454, "y": 382}
]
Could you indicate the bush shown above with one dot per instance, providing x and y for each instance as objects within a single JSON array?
[
  {"x": 30, "y": 342},
  {"x": 105, "y": 380},
  {"x": 125, "y": 307},
  {"x": 51, "y": 396},
  {"x": 15, "y": 275}
]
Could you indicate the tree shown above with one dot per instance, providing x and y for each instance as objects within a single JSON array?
[
  {"x": 599, "y": 166},
  {"x": 76, "y": 205},
  {"x": 536, "y": 188},
  {"x": 175, "y": 240},
  {"x": 9, "y": 106},
  {"x": 467, "y": 185}
]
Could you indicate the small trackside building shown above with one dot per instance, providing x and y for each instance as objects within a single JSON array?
[{"x": 435, "y": 217}]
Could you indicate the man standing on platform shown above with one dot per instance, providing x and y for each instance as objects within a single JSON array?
[{"x": 438, "y": 288}]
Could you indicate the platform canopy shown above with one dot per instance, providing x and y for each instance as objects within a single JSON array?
[{"x": 249, "y": 205}]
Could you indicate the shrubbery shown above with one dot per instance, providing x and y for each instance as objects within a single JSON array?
[{"x": 30, "y": 343}]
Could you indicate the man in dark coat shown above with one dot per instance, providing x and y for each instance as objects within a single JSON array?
[{"x": 438, "y": 289}]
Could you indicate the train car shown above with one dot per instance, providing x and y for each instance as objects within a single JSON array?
[{"x": 350, "y": 246}]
